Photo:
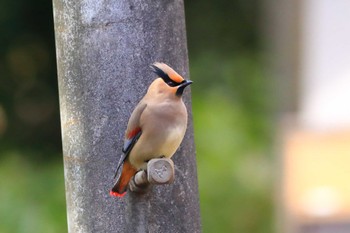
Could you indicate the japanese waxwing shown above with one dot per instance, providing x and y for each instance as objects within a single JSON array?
[{"x": 156, "y": 126}]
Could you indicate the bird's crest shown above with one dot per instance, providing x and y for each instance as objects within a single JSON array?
[{"x": 170, "y": 76}]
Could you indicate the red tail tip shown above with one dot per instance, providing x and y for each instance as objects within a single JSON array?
[{"x": 115, "y": 194}]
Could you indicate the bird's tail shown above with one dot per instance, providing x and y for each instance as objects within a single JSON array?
[{"x": 120, "y": 187}]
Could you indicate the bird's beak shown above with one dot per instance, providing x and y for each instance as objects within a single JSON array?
[
  {"x": 185, "y": 83},
  {"x": 182, "y": 86}
]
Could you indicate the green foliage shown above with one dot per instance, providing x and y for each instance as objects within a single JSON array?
[
  {"x": 32, "y": 195},
  {"x": 232, "y": 133}
]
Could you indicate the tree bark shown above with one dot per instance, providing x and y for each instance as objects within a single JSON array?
[{"x": 104, "y": 49}]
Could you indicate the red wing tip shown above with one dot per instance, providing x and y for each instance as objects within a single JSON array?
[{"x": 115, "y": 194}]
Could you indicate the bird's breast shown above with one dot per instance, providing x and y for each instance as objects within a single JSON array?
[
  {"x": 163, "y": 128},
  {"x": 166, "y": 125}
]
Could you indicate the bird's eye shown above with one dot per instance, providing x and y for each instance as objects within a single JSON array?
[{"x": 172, "y": 83}]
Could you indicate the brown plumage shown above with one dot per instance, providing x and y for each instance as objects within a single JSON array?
[{"x": 156, "y": 126}]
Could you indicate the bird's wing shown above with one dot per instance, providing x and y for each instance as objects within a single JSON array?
[{"x": 133, "y": 132}]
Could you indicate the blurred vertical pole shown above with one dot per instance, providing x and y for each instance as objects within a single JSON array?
[
  {"x": 282, "y": 39},
  {"x": 104, "y": 49}
]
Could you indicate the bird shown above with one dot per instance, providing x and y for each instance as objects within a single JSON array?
[{"x": 156, "y": 126}]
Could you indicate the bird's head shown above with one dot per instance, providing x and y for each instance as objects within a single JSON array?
[{"x": 171, "y": 78}]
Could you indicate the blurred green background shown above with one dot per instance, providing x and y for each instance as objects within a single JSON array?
[{"x": 231, "y": 107}]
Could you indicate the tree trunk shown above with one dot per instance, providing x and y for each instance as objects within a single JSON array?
[{"x": 104, "y": 49}]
